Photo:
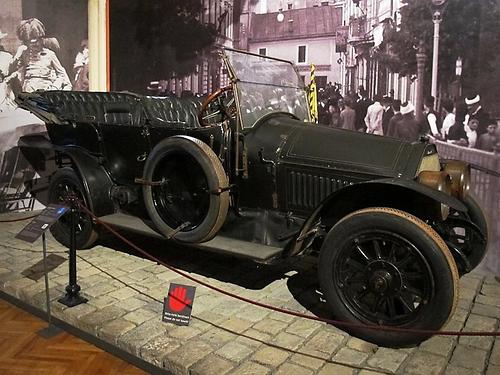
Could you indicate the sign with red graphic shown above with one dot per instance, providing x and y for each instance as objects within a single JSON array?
[{"x": 178, "y": 305}]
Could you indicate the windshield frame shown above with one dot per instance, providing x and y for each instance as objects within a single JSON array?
[{"x": 236, "y": 82}]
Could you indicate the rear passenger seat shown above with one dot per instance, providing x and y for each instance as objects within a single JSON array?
[{"x": 123, "y": 108}]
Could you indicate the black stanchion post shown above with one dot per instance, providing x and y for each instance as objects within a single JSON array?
[{"x": 72, "y": 297}]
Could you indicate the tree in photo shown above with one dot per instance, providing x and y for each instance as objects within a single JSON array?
[{"x": 469, "y": 29}]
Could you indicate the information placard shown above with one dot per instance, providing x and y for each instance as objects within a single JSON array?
[
  {"x": 178, "y": 305},
  {"x": 32, "y": 231}
]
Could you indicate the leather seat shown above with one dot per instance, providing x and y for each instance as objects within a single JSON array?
[
  {"x": 181, "y": 112},
  {"x": 82, "y": 106}
]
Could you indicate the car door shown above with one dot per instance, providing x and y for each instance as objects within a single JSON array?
[{"x": 126, "y": 146}]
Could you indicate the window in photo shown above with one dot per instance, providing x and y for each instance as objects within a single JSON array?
[{"x": 302, "y": 54}]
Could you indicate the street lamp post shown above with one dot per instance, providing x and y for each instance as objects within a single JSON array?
[
  {"x": 421, "y": 60},
  {"x": 436, "y": 19},
  {"x": 458, "y": 73}
]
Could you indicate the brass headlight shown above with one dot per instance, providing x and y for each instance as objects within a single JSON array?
[
  {"x": 440, "y": 181},
  {"x": 459, "y": 172}
]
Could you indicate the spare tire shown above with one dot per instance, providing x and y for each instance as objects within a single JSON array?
[{"x": 186, "y": 189}]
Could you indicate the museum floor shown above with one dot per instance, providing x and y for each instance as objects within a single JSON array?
[
  {"x": 22, "y": 349},
  {"x": 123, "y": 314}
]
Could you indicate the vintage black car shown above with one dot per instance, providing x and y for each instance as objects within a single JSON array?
[{"x": 245, "y": 172}]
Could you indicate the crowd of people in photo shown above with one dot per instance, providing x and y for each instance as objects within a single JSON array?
[{"x": 462, "y": 122}]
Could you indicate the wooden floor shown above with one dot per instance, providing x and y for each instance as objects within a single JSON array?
[{"x": 22, "y": 351}]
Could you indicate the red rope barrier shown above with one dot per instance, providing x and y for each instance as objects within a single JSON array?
[{"x": 281, "y": 310}]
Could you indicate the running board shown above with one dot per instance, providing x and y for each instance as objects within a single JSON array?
[{"x": 220, "y": 244}]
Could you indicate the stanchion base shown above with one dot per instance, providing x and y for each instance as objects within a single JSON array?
[
  {"x": 49, "y": 331},
  {"x": 72, "y": 300}
]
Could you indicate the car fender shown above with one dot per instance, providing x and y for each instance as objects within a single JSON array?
[
  {"x": 403, "y": 194},
  {"x": 96, "y": 181}
]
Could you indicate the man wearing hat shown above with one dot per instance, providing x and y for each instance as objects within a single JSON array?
[
  {"x": 407, "y": 129},
  {"x": 476, "y": 111},
  {"x": 388, "y": 113}
]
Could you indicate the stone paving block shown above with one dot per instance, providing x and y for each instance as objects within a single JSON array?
[
  {"x": 90, "y": 281},
  {"x": 110, "y": 331},
  {"x": 155, "y": 350},
  {"x": 73, "y": 314},
  {"x": 134, "y": 339},
  {"x": 123, "y": 293},
  {"x": 234, "y": 351},
  {"x": 271, "y": 356},
  {"x": 251, "y": 368},
  {"x": 387, "y": 359},
  {"x": 478, "y": 322},
  {"x": 468, "y": 357},
  {"x": 309, "y": 358},
  {"x": 470, "y": 283},
  {"x": 453, "y": 325},
  {"x": 492, "y": 290},
  {"x": 253, "y": 338},
  {"x": 227, "y": 308},
  {"x": 303, "y": 327},
  {"x": 180, "y": 360},
  {"x": 361, "y": 345},
  {"x": 184, "y": 333},
  {"x": 218, "y": 337},
  {"x": 486, "y": 310},
  {"x": 99, "y": 289},
  {"x": 325, "y": 341},
  {"x": 488, "y": 300},
  {"x": 423, "y": 363},
  {"x": 495, "y": 353},
  {"x": 140, "y": 316},
  {"x": 350, "y": 356},
  {"x": 493, "y": 370},
  {"x": 440, "y": 345},
  {"x": 270, "y": 326},
  {"x": 132, "y": 303},
  {"x": 460, "y": 315},
  {"x": 467, "y": 294},
  {"x": 370, "y": 372},
  {"x": 252, "y": 313},
  {"x": 92, "y": 322},
  {"x": 102, "y": 301},
  {"x": 236, "y": 325},
  {"x": 287, "y": 341},
  {"x": 332, "y": 368},
  {"x": 212, "y": 364},
  {"x": 292, "y": 369},
  {"x": 481, "y": 342},
  {"x": 455, "y": 370}
]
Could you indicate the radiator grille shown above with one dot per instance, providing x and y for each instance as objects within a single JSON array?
[{"x": 306, "y": 191}]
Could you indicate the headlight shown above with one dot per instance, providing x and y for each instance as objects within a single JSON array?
[
  {"x": 440, "y": 181},
  {"x": 460, "y": 177}
]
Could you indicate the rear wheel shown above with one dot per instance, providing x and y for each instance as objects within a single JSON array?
[
  {"x": 382, "y": 266},
  {"x": 63, "y": 184}
]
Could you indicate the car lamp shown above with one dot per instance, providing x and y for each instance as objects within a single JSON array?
[
  {"x": 460, "y": 177},
  {"x": 440, "y": 181}
]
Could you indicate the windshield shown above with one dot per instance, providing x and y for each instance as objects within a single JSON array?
[{"x": 266, "y": 85}]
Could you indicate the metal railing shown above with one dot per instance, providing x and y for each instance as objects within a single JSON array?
[{"x": 485, "y": 176}]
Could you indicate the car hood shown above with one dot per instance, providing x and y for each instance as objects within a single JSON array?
[{"x": 314, "y": 145}]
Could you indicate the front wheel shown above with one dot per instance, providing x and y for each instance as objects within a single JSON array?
[{"x": 381, "y": 266}]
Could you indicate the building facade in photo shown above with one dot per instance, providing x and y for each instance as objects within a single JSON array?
[{"x": 303, "y": 32}]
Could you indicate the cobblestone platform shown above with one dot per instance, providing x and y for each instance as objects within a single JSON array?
[{"x": 125, "y": 295}]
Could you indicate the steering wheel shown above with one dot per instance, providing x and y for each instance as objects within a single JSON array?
[{"x": 204, "y": 115}]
